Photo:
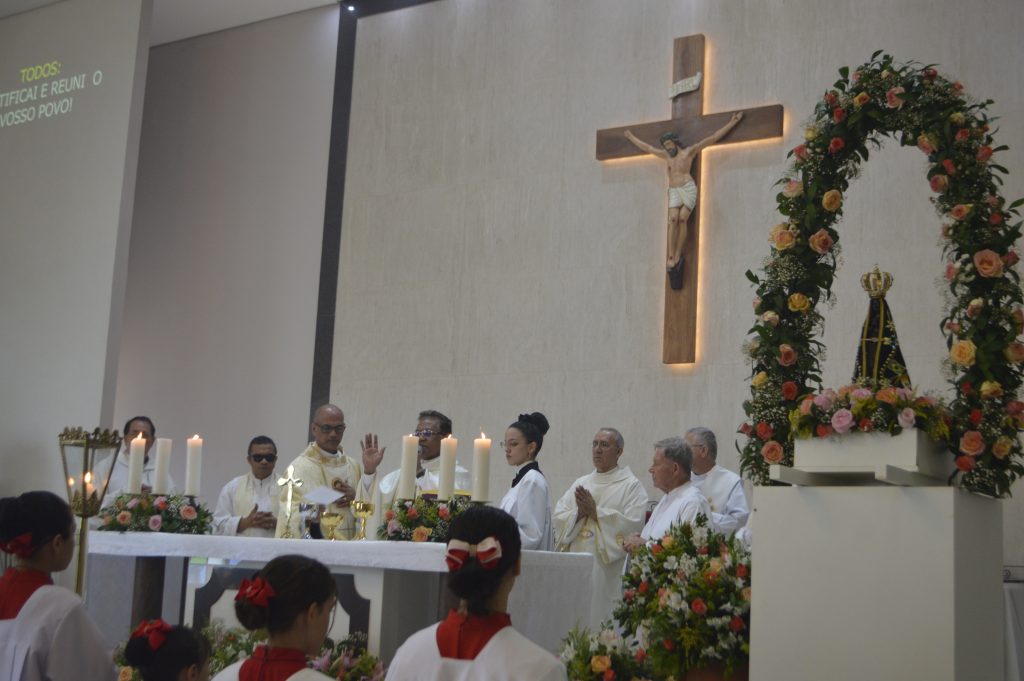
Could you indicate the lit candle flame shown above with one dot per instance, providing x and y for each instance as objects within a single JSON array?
[
  {"x": 71, "y": 482},
  {"x": 196, "y": 436},
  {"x": 88, "y": 478},
  {"x": 449, "y": 437},
  {"x": 483, "y": 435},
  {"x": 139, "y": 437}
]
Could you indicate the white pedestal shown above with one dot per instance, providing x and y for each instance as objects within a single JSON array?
[{"x": 880, "y": 583}]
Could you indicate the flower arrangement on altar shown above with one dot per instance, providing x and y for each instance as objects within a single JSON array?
[
  {"x": 857, "y": 408},
  {"x": 979, "y": 229},
  {"x": 424, "y": 519},
  {"x": 604, "y": 656},
  {"x": 172, "y": 513}
]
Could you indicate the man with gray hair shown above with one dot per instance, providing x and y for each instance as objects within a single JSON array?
[
  {"x": 721, "y": 487},
  {"x": 670, "y": 472},
  {"x": 596, "y": 513}
]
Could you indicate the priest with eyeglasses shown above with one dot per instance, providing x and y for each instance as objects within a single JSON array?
[{"x": 247, "y": 506}]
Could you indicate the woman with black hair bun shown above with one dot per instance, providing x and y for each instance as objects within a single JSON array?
[
  {"x": 528, "y": 501},
  {"x": 293, "y": 598},
  {"x": 164, "y": 653},
  {"x": 36, "y": 617},
  {"x": 476, "y": 640}
]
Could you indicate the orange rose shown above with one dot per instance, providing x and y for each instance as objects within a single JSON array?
[
  {"x": 990, "y": 390},
  {"x": 832, "y": 200},
  {"x": 787, "y": 355},
  {"x": 421, "y": 534},
  {"x": 798, "y": 302},
  {"x": 600, "y": 663},
  {"x": 1002, "y": 447},
  {"x": 939, "y": 183},
  {"x": 1014, "y": 352},
  {"x": 926, "y": 143},
  {"x": 972, "y": 443},
  {"x": 125, "y": 674},
  {"x": 963, "y": 352},
  {"x": 988, "y": 263},
  {"x": 782, "y": 237},
  {"x": 861, "y": 99},
  {"x": 960, "y": 211},
  {"x": 820, "y": 242},
  {"x": 772, "y": 452},
  {"x": 887, "y": 395}
]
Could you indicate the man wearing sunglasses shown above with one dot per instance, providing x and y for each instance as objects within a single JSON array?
[
  {"x": 248, "y": 504},
  {"x": 431, "y": 428}
]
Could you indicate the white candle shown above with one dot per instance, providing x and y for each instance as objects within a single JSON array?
[
  {"x": 162, "y": 474},
  {"x": 481, "y": 468},
  {"x": 446, "y": 483},
  {"x": 407, "y": 476},
  {"x": 136, "y": 458},
  {"x": 193, "y": 465}
]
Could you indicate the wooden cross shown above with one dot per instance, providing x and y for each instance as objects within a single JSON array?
[{"x": 691, "y": 125}]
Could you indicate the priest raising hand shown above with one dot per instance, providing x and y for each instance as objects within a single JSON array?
[{"x": 372, "y": 454}]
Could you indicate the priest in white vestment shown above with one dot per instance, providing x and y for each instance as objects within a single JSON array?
[
  {"x": 670, "y": 472},
  {"x": 721, "y": 487},
  {"x": 138, "y": 425},
  {"x": 247, "y": 506},
  {"x": 431, "y": 428},
  {"x": 594, "y": 516},
  {"x": 323, "y": 464}
]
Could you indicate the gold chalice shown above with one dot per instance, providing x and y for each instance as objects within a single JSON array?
[
  {"x": 364, "y": 511},
  {"x": 329, "y": 522}
]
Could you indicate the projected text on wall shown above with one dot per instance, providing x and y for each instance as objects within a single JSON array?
[{"x": 41, "y": 92}]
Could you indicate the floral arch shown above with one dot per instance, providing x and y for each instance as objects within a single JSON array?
[{"x": 918, "y": 107}]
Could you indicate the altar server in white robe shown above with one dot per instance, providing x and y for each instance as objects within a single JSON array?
[
  {"x": 431, "y": 428},
  {"x": 292, "y": 598},
  {"x": 598, "y": 511},
  {"x": 324, "y": 464},
  {"x": 137, "y": 425},
  {"x": 248, "y": 505},
  {"x": 721, "y": 487},
  {"x": 670, "y": 472},
  {"x": 477, "y": 640},
  {"x": 528, "y": 500},
  {"x": 45, "y": 632}
]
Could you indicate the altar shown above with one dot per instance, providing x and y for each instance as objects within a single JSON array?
[{"x": 387, "y": 590}]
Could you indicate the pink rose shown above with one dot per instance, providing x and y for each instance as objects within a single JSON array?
[
  {"x": 133, "y": 502},
  {"x": 831, "y": 98},
  {"x": 824, "y": 401},
  {"x": 820, "y": 242},
  {"x": 929, "y": 74},
  {"x": 787, "y": 355},
  {"x": 938, "y": 183},
  {"x": 393, "y": 526},
  {"x": 953, "y": 327},
  {"x": 838, "y": 114},
  {"x": 800, "y": 151},
  {"x": 960, "y": 210},
  {"x": 926, "y": 144},
  {"x": 893, "y": 100},
  {"x": 952, "y": 269},
  {"x": 699, "y": 606},
  {"x": 772, "y": 452},
  {"x": 860, "y": 394},
  {"x": 836, "y": 145},
  {"x": 188, "y": 513},
  {"x": 155, "y": 522},
  {"x": 842, "y": 421},
  {"x": 988, "y": 263},
  {"x": 1014, "y": 352},
  {"x": 972, "y": 443},
  {"x": 124, "y": 517},
  {"x": 792, "y": 189},
  {"x": 995, "y": 219},
  {"x": 805, "y": 406},
  {"x": 984, "y": 153},
  {"x": 160, "y": 503},
  {"x": 1011, "y": 258},
  {"x": 907, "y": 418}
]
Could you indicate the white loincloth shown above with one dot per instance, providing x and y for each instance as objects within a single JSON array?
[{"x": 685, "y": 195}]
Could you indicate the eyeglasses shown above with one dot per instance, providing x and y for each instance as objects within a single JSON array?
[
  {"x": 426, "y": 433},
  {"x": 327, "y": 429},
  {"x": 260, "y": 458}
]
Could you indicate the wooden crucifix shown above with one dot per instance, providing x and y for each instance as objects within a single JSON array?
[{"x": 692, "y": 131}]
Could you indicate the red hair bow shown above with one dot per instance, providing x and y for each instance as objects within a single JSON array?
[
  {"x": 20, "y": 545},
  {"x": 258, "y": 592},
  {"x": 487, "y": 552},
  {"x": 154, "y": 630}
]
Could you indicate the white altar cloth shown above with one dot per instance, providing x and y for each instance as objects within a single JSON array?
[{"x": 552, "y": 593}]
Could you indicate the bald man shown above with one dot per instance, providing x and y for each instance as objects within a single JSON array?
[{"x": 323, "y": 464}]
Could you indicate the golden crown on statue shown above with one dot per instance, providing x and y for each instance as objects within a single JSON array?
[{"x": 876, "y": 283}]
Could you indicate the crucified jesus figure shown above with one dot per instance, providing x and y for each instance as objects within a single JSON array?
[{"x": 682, "y": 189}]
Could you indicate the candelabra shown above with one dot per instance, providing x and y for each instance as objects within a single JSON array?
[{"x": 82, "y": 496}]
